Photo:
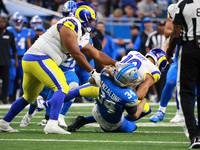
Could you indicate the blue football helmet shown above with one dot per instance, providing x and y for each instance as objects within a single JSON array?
[
  {"x": 159, "y": 56},
  {"x": 125, "y": 73},
  {"x": 67, "y": 8},
  {"x": 17, "y": 20},
  {"x": 36, "y": 20},
  {"x": 85, "y": 13}
]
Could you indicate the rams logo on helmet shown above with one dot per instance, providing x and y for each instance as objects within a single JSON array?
[{"x": 85, "y": 13}]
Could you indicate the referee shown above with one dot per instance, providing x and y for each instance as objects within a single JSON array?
[{"x": 187, "y": 19}]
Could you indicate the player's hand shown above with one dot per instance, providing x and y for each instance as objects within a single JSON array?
[
  {"x": 169, "y": 59},
  {"x": 96, "y": 77},
  {"x": 118, "y": 64},
  {"x": 16, "y": 64}
]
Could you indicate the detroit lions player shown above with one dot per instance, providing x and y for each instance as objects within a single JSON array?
[
  {"x": 68, "y": 37},
  {"x": 115, "y": 96},
  {"x": 23, "y": 43}
]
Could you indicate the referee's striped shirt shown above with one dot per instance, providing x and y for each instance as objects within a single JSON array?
[
  {"x": 155, "y": 40},
  {"x": 188, "y": 15}
]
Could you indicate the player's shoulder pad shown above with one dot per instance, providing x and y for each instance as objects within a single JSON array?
[
  {"x": 130, "y": 95},
  {"x": 72, "y": 24}
]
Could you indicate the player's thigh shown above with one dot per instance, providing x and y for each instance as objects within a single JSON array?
[
  {"x": 31, "y": 87},
  {"x": 126, "y": 126},
  {"x": 49, "y": 74}
]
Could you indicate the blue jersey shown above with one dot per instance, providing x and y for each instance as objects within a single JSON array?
[
  {"x": 112, "y": 99},
  {"x": 68, "y": 64},
  {"x": 20, "y": 39}
]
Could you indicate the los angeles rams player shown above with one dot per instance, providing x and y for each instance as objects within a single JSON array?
[
  {"x": 22, "y": 40},
  {"x": 68, "y": 37},
  {"x": 171, "y": 77},
  {"x": 68, "y": 67},
  {"x": 115, "y": 96}
]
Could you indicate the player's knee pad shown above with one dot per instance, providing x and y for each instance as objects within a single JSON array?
[{"x": 73, "y": 85}]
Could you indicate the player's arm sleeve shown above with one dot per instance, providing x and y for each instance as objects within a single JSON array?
[{"x": 131, "y": 110}]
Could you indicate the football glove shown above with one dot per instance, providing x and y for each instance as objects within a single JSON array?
[{"x": 96, "y": 77}]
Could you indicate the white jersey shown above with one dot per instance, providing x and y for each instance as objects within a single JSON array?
[
  {"x": 143, "y": 65},
  {"x": 172, "y": 11},
  {"x": 50, "y": 42}
]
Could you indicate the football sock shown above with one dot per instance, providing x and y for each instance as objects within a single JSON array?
[
  {"x": 16, "y": 107},
  {"x": 163, "y": 109},
  {"x": 48, "y": 110},
  {"x": 66, "y": 107},
  {"x": 56, "y": 103},
  {"x": 90, "y": 119},
  {"x": 72, "y": 94},
  {"x": 166, "y": 94},
  {"x": 32, "y": 109}
]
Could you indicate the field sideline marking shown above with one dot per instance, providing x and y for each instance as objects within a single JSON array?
[{"x": 92, "y": 141}]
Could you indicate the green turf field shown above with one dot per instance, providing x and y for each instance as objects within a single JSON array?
[{"x": 148, "y": 136}]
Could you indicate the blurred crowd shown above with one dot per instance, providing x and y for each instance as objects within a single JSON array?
[
  {"x": 144, "y": 37},
  {"x": 116, "y": 8}
]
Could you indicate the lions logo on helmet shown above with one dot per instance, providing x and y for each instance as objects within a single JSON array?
[
  {"x": 125, "y": 73},
  {"x": 17, "y": 20},
  {"x": 158, "y": 56},
  {"x": 85, "y": 13},
  {"x": 67, "y": 8},
  {"x": 36, "y": 20}
]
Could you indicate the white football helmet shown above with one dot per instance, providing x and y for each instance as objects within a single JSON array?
[
  {"x": 125, "y": 73},
  {"x": 17, "y": 20}
]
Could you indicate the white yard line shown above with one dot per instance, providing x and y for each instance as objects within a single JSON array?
[
  {"x": 91, "y": 104},
  {"x": 93, "y": 141},
  {"x": 161, "y": 124}
]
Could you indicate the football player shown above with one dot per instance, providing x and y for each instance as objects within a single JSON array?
[
  {"x": 68, "y": 37},
  {"x": 23, "y": 42},
  {"x": 115, "y": 96}
]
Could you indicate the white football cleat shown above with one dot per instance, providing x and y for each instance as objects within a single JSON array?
[
  {"x": 5, "y": 127},
  {"x": 53, "y": 128},
  {"x": 26, "y": 119},
  {"x": 61, "y": 121},
  {"x": 40, "y": 100},
  {"x": 43, "y": 122},
  {"x": 178, "y": 117}
]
